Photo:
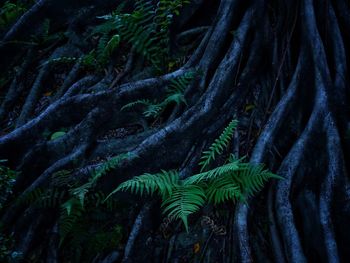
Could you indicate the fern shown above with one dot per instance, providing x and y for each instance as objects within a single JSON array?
[
  {"x": 62, "y": 178},
  {"x": 136, "y": 103},
  {"x": 106, "y": 46},
  {"x": 7, "y": 180},
  {"x": 45, "y": 31},
  {"x": 233, "y": 181},
  {"x": 89, "y": 60},
  {"x": 73, "y": 214},
  {"x": 146, "y": 29},
  {"x": 175, "y": 95},
  {"x": 81, "y": 191},
  {"x": 179, "y": 200},
  {"x": 74, "y": 202},
  {"x": 214, "y": 173},
  {"x": 112, "y": 44},
  {"x": 184, "y": 200},
  {"x": 89, "y": 237},
  {"x": 239, "y": 184},
  {"x": 162, "y": 182},
  {"x": 153, "y": 111},
  {"x": 218, "y": 145},
  {"x": 9, "y": 12},
  {"x": 224, "y": 189},
  {"x": 51, "y": 198},
  {"x": 105, "y": 28},
  {"x": 44, "y": 198},
  {"x": 179, "y": 84},
  {"x": 99, "y": 199},
  {"x": 71, "y": 211},
  {"x": 252, "y": 178}
]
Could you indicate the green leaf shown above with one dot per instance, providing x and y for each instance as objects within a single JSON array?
[
  {"x": 112, "y": 44},
  {"x": 162, "y": 183},
  {"x": 218, "y": 145},
  {"x": 68, "y": 206},
  {"x": 184, "y": 201},
  {"x": 57, "y": 135}
]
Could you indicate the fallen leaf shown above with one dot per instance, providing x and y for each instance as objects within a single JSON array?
[
  {"x": 249, "y": 107},
  {"x": 196, "y": 248}
]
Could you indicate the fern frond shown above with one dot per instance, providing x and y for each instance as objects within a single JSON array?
[
  {"x": 9, "y": 12},
  {"x": 223, "y": 189},
  {"x": 106, "y": 47},
  {"x": 218, "y": 145},
  {"x": 179, "y": 84},
  {"x": 253, "y": 177},
  {"x": 100, "y": 51},
  {"x": 105, "y": 28},
  {"x": 71, "y": 211},
  {"x": 153, "y": 110},
  {"x": 100, "y": 199},
  {"x": 7, "y": 181},
  {"x": 62, "y": 178},
  {"x": 44, "y": 198},
  {"x": 176, "y": 98},
  {"x": 89, "y": 60},
  {"x": 234, "y": 181},
  {"x": 183, "y": 201},
  {"x": 214, "y": 173},
  {"x": 175, "y": 95},
  {"x": 81, "y": 191},
  {"x": 112, "y": 44},
  {"x": 136, "y": 103},
  {"x": 45, "y": 30},
  {"x": 146, "y": 28},
  {"x": 111, "y": 164},
  {"x": 162, "y": 182},
  {"x": 52, "y": 198}
]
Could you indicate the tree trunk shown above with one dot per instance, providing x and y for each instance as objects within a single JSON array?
[{"x": 279, "y": 67}]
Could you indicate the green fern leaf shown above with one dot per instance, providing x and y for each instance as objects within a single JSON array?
[
  {"x": 253, "y": 177},
  {"x": 136, "y": 103},
  {"x": 223, "y": 189},
  {"x": 153, "y": 110},
  {"x": 162, "y": 183},
  {"x": 214, "y": 173},
  {"x": 218, "y": 145},
  {"x": 70, "y": 213},
  {"x": 183, "y": 201},
  {"x": 146, "y": 28},
  {"x": 112, "y": 44},
  {"x": 80, "y": 192}
]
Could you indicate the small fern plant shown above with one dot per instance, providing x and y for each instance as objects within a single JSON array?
[
  {"x": 74, "y": 201},
  {"x": 146, "y": 29},
  {"x": 234, "y": 181},
  {"x": 9, "y": 12},
  {"x": 80, "y": 192},
  {"x": 7, "y": 180},
  {"x": 218, "y": 145},
  {"x": 174, "y": 95}
]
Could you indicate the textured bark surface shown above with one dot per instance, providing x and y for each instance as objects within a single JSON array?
[{"x": 279, "y": 67}]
